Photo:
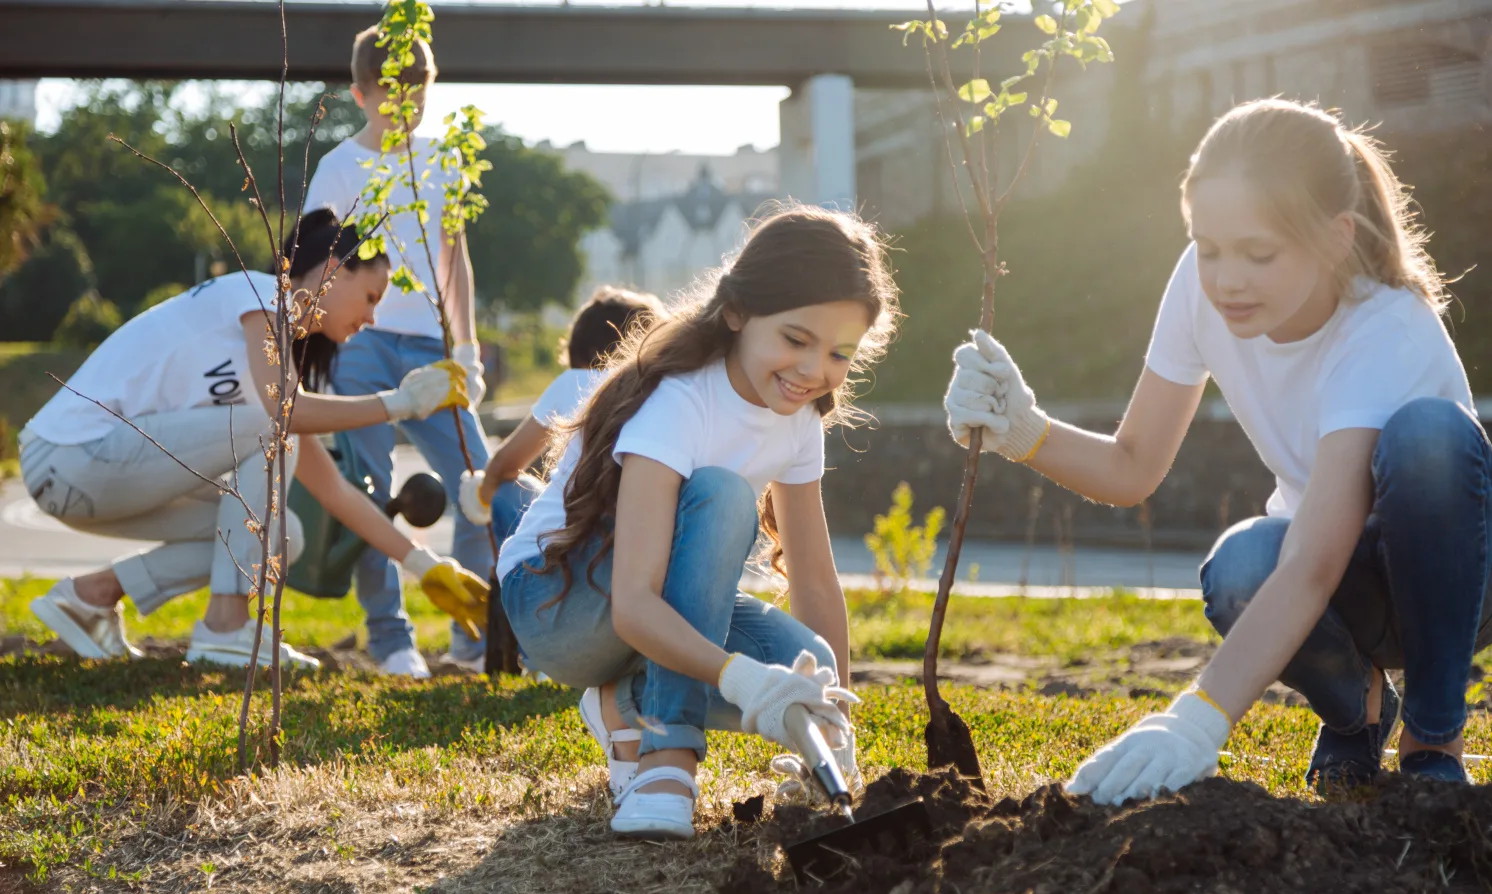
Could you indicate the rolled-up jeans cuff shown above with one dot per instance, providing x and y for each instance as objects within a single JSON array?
[
  {"x": 655, "y": 736},
  {"x": 1430, "y": 738},
  {"x": 135, "y": 580}
]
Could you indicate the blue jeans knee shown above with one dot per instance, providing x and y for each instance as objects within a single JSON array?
[
  {"x": 510, "y": 501},
  {"x": 1424, "y": 454},
  {"x": 1239, "y": 563},
  {"x": 721, "y": 499},
  {"x": 1329, "y": 669}
]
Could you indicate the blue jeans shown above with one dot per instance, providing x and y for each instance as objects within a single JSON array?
[
  {"x": 510, "y": 501},
  {"x": 572, "y": 640},
  {"x": 1415, "y": 595},
  {"x": 371, "y": 361}
]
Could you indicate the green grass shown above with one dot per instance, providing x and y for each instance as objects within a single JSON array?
[
  {"x": 123, "y": 775},
  {"x": 307, "y": 621},
  {"x": 87, "y": 752},
  {"x": 1068, "y": 630},
  {"x": 9, "y": 349},
  {"x": 891, "y": 627}
]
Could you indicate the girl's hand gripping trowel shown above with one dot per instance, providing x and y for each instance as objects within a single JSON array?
[
  {"x": 823, "y": 856},
  {"x": 819, "y": 764}
]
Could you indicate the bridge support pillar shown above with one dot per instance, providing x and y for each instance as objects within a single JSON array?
[{"x": 818, "y": 141}]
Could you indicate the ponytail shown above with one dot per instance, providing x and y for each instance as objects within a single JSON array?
[{"x": 1390, "y": 244}]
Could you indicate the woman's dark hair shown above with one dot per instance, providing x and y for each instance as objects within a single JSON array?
[
  {"x": 318, "y": 247},
  {"x": 603, "y": 321}
]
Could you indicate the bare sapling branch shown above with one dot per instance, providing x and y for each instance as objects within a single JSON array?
[{"x": 1072, "y": 34}]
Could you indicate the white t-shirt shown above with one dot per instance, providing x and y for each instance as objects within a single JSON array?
[
  {"x": 692, "y": 421},
  {"x": 569, "y": 390},
  {"x": 1376, "y": 353},
  {"x": 338, "y": 182},
  {"x": 186, "y": 352}
]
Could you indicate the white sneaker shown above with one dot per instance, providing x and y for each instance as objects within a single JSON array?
[
  {"x": 476, "y": 665},
  {"x": 233, "y": 649},
  {"x": 529, "y": 673},
  {"x": 406, "y": 662},
  {"x": 656, "y": 815},
  {"x": 89, "y": 630}
]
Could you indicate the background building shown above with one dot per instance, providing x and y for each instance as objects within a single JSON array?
[
  {"x": 674, "y": 215},
  {"x": 18, "y": 100},
  {"x": 1411, "y": 66}
]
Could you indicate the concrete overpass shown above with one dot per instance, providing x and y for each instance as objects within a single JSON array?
[
  {"x": 477, "y": 42},
  {"x": 821, "y": 54}
]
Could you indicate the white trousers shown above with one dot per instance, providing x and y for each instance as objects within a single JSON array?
[{"x": 121, "y": 485}]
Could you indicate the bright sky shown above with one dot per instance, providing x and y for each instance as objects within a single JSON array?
[
  {"x": 702, "y": 120},
  {"x": 609, "y": 118}
]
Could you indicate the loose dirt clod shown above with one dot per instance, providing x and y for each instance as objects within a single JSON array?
[{"x": 1217, "y": 836}]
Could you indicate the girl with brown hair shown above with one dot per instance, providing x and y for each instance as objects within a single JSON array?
[{"x": 622, "y": 577}]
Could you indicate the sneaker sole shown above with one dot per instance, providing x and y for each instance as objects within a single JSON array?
[
  {"x": 415, "y": 673},
  {"x": 67, "y": 630},
  {"x": 209, "y": 655}
]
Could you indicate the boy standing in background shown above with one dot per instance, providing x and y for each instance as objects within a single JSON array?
[{"x": 406, "y": 335}]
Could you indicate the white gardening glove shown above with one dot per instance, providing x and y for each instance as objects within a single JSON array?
[
  {"x": 987, "y": 392},
  {"x": 800, "y": 778},
  {"x": 469, "y": 356},
  {"x": 764, "y": 691},
  {"x": 470, "y": 498},
  {"x": 1163, "y": 752},
  {"x": 425, "y": 390}
]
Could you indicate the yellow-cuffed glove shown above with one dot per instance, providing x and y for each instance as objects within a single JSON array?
[
  {"x": 452, "y": 589},
  {"x": 987, "y": 392},
  {"x": 469, "y": 355},
  {"x": 1161, "y": 753},
  {"x": 426, "y": 390}
]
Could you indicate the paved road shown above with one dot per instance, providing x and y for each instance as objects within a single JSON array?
[{"x": 33, "y": 543}]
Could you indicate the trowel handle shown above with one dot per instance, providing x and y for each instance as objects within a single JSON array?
[{"x": 817, "y": 755}]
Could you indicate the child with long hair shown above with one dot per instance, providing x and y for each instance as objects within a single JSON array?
[
  {"x": 191, "y": 374},
  {"x": 622, "y": 576},
  {"x": 1308, "y": 295}
]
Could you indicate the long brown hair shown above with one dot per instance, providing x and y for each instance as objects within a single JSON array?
[
  {"x": 1308, "y": 167},
  {"x": 799, "y": 256}
]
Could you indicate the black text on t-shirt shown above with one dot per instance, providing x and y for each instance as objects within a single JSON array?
[{"x": 224, "y": 386}]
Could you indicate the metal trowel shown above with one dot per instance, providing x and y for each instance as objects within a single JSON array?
[{"x": 820, "y": 857}]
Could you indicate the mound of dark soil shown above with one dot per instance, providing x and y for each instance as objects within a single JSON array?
[{"x": 1217, "y": 836}]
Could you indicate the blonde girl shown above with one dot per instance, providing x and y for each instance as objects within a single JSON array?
[{"x": 1307, "y": 295}]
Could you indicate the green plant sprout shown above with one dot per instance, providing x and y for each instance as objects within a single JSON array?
[{"x": 903, "y": 550}]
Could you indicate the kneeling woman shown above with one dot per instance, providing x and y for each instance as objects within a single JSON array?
[{"x": 192, "y": 375}]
